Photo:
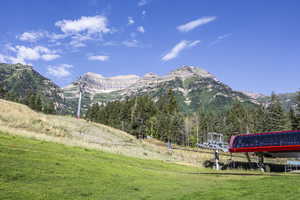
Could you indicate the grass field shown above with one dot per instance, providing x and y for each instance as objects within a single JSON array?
[
  {"x": 18, "y": 119},
  {"x": 33, "y": 169}
]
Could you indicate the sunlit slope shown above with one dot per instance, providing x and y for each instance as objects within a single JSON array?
[
  {"x": 18, "y": 119},
  {"x": 33, "y": 169}
]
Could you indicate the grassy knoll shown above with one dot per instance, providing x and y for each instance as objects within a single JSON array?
[{"x": 33, "y": 169}]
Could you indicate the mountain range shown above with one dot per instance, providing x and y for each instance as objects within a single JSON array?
[{"x": 193, "y": 87}]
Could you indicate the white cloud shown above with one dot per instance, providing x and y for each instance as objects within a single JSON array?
[
  {"x": 48, "y": 57},
  {"x": 2, "y": 58},
  {"x": 194, "y": 43},
  {"x": 75, "y": 43},
  {"x": 178, "y": 48},
  {"x": 28, "y": 53},
  {"x": 78, "y": 40},
  {"x": 219, "y": 39},
  {"x": 54, "y": 37},
  {"x": 100, "y": 58},
  {"x": 131, "y": 43},
  {"x": 91, "y": 25},
  {"x": 130, "y": 21},
  {"x": 31, "y": 36},
  {"x": 224, "y": 36},
  {"x": 59, "y": 71},
  {"x": 144, "y": 12},
  {"x": 23, "y": 53},
  {"x": 143, "y": 2},
  {"x": 193, "y": 24},
  {"x": 140, "y": 29}
]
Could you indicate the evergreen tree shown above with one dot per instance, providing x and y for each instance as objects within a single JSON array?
[
  {"x": 3, "y": 92},
  {"x": 49, "y": 108},
  {"x": 260, "y": 120},
  {"x": 293, "y": 120},
  {"x": 238, "y": 120},
  {"x": 276, "y": 118},
  {"x": 38, "y": 104}
]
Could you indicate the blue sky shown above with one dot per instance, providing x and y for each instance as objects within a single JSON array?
[{"x": 249, "y": 45}]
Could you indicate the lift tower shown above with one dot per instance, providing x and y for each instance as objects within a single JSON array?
[{"x": 81, "y": 86}]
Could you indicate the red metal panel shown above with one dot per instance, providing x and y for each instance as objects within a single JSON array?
[
  {"x": 266, "y": 149},
  {"x": 266, "y": 133}
]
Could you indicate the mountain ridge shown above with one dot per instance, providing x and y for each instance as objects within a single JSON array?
[
  {"x": 192, "y": 85},
  {"x": 194, "y": 88}
]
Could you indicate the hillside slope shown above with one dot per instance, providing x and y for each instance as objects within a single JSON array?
[{"x": 18, "y": 119}]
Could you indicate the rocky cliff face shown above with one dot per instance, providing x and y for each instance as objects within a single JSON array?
[
  {"x": 97, "y": 84},
  {"x": 193, "y": 86}
]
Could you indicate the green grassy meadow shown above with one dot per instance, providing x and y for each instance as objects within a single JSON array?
[{"x": 33, "y": 169}]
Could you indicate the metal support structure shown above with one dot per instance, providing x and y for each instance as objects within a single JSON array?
[
  {"x": 217, "y": 158},
  {"x": 261, "y": 162},
  {"x": 79, "y": 105},
  {"x": 81, "y": 86}
]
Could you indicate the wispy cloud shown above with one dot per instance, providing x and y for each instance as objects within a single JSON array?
[
  {"x": 130, "y": 21},
  {"x": 143, "y": 2},
  {"x": 48, "y": 57},
  {"x": 31, "y": 36},
  {"x": 178, "y": 48},
  {"x": 131, "y": 43},
  {"x": 99, "y": 58},
  {"x": 219, "y": 39},
  {"x": 140, "y": 29},
  {"x": 195, "y": 23},
  {"x": 144, "y": 13},
  {"x": 59, "y": 71}
]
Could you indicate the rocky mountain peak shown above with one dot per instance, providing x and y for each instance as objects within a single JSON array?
[
  {"x": 91, "y": 75},
  {"x": 188, "y": 71},
  {"x": 150, "y": 75},
  {"x": 96, "y": 83}
]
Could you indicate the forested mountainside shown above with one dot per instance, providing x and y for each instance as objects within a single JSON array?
[{"x": 22, "y": 83}]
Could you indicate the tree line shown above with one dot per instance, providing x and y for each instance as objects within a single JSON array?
[
  {"x": 142, "y": 117},
  {"x": 33, "y": 100}
]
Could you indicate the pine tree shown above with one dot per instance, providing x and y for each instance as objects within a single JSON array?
[
  {"x": 38, "y": 104},
  {"x": 276, "y": 118},
  {"x": 293, "y": 120},
  {"x": 3, "y": 92},
  {"x": 238, "y": 120},
  {"x": 30, "y": 101},
  {"x": 49, "y": 108},
  {"x": 260, "y": 119}
]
